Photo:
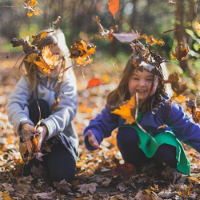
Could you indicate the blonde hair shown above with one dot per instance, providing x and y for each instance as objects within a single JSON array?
[
  {"x": 53, "y": 37},
  {"x": 121, "y": 93}
]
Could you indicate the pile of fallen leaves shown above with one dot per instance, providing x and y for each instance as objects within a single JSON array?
[{"x": 100, "y": 174}]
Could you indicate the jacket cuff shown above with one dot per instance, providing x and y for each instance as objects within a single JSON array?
[{"x": 50, "y": 127}]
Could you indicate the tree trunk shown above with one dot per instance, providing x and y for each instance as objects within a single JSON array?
[{"x": 180, "y": 30}]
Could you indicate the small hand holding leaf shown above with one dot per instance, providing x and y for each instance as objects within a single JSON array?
[
  {"x": 39, "y": 138},
  {"x": 92, "y": 140},
  {"x": 27, "y": 131}
]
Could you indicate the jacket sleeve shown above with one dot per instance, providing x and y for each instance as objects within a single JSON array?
[
  {"x": 183, "y": 127},
  {"x": 17, "y": 107},
  {"x": 66, "y": 108},
  {"x": 102, "y": 126}
]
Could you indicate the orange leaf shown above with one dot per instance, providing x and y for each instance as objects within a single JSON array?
[
  {"x": 35, "y": 142},
  {"x": 125, "y": 111},
  {"x": 94, "y": 82},
  {"x": 43, "y": 35},
  {"x": 113, "y": 6},
  {"x": 180, "y": 52},
  {"x": 31, "y": 57},
  {"x": 48, "y": 60}
]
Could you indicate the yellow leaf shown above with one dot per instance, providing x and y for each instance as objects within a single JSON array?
[
  {"x": 31, "y": 57},
  {"x": 43, "y": 35},
  {"x": 125, "y": 110},
  {"x": 50, "y": 59}
]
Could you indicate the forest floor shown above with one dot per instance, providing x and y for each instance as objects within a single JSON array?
[{"x": 100, "y": 174}]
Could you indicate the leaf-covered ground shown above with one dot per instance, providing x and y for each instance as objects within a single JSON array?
[{"x": 100, "y": 174}]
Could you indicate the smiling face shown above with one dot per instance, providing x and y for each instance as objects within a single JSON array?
[{"x": 141, "y": 82}]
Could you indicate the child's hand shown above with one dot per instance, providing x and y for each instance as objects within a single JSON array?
[
  {"x": 42, "y": 130},
  {"x": 28, "y": 127},
  {"x": 92, "y": 140}
]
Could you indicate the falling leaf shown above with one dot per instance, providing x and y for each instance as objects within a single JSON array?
[
  {"x": 125, "y": 111},
  {"x": 180, "y": 52},
  {"x": 85, "y": 188},
  {"x": 31, "y": 58},
  {"x": 27, "y": 48},
  {"x": 86, "y": 39},
  {"x": 176, "y": 85},
  {"x": 29, "y": 5},
  {"x": 47, "y": 61},
  {"x": 57, "y": 20},
  {"x": 94, "y": 82},
  {"x": 151, "y": 40},
  {"x": 81, "y": 52},
  {"x": 104, "y": 32},
  {"x": 113, "y": 6},
  {"x": 126, "y": 37}
]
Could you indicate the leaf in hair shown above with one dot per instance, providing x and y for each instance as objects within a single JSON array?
[{"x": 31, "y": 58}]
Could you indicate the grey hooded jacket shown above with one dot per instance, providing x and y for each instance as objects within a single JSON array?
[{"x": 60, "y": 120}]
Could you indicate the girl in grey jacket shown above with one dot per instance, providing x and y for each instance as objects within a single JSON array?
[{"x": 47, "y": 92}]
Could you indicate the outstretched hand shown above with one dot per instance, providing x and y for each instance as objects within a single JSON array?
[{"x": 92, "y": 140}]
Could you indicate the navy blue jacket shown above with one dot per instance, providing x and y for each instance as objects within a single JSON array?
[{"x": 178, "y": 123}]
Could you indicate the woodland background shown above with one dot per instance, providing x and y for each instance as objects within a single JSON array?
[{"x": 100, "y": 174}]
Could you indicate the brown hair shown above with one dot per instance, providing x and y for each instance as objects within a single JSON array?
[
  {"x": 121, "y": 93},
  {"x": 53, "y": 37}
]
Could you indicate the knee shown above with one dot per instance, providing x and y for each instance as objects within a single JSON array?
[
  {"x": 127, "y": 136},
  {"x": 166, "y": 154},
  {"x": 59, "y": 175}
]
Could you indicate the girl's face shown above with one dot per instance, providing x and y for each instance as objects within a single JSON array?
[
  {"x": 141, "y": 82},
  {"x": 55, "y": 50}
]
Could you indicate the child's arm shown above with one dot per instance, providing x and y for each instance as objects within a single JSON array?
[
  {"x": 17, "y": 107},
  {"x": 102, "y": 126},
  {"x": 65, "y": 110},
  {"x": 183, "y": 127}
]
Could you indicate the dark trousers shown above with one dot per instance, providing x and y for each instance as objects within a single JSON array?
[
  {"x": 127, "y": 141},
  {"x": 59, "y": 162}
]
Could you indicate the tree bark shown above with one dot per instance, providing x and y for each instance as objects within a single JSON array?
[{"x": 180, "y": 30}]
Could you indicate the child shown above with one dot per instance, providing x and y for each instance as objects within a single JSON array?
[
  {"x": 147, "y": 140},
  {"x": 35, "y": 94}
]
